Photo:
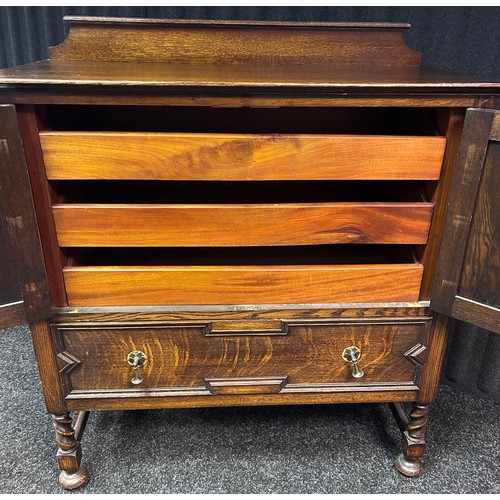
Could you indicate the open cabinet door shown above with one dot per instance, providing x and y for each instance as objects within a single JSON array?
[
  {"x": 467, "y": 283},
  {"x": 24, "y": 292}
]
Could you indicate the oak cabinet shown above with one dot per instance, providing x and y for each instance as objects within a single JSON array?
[{"x": 190, "y": 219}]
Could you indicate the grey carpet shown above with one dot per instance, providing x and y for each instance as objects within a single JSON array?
[{"x": 295, "y": 449}]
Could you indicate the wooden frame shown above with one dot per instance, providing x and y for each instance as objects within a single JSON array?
[{"x": 25, "y": 278}]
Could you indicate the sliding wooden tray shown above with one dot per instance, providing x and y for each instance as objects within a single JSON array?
[
  {"x": 188, "y": 156},
  {"x": 167, "y": 285},
  {"x": 87, "y": 225}
]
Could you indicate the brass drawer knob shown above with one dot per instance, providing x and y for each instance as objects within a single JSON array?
[
  {"x": 136, "y": 359},
  {"x": 352, "y": 355}
]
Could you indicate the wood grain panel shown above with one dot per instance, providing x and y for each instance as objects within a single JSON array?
[
  {"x": 436, "y": 343},
  {"x": 161, "y": 285},
  {"x": 10, "y": 289},
  {"x": 245, "y": 385},
  {"x": 238, "y": 84},
  {"x": 241, "y": 225},
  {"x": 12, "y": 314},
  {"x": 165, "y": 99},
  {"x": 477, "y": 313},
  {"x": 25, "y": 277},
  {"x": 165, "y": 156},
  {"x": 269, "y": 314},
  {"x": 154, "y": 398},
  {"x": 308, "y": 359},
  {"x": 495, "y": 128},
  {"x": 467, "y": 278},
  {"x": 460, "y": 208},
  {"x": 47, "y": 345},
  {"x": 480, "y": 279},
  {"x": 44, "y": 194},
  {"x": 233, "y": 42},
  {"x": 452, "y": 125}
]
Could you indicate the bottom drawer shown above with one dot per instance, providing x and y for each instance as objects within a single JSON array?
[
  {"x": 228, "y": 358},
  {"x": 112, "y": 286}
]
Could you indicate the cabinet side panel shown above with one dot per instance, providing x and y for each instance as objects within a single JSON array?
[
  {"x": 47, "y": 345},
  {"x": 432, "y": 369},
  {"x": 438, "y": 193},
  {"x": 43, "y": 197}
]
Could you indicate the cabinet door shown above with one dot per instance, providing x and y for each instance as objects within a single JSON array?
[
  {"x": 467, "y": 283},
  {"x": 23, "y": 284}
]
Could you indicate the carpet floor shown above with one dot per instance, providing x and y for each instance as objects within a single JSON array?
[{"x": 289, "y": 449}]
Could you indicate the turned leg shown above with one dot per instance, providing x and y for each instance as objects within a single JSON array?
[
  {"x": 69, "y": 455},
  {"x": 413, "y": 441},
  {"x": 413, "y": 427}
]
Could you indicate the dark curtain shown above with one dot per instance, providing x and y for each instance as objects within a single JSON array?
[{"x": 464, "y": 39}]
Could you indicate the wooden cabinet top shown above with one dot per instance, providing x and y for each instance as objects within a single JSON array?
[{"x": 237, "y": 56}]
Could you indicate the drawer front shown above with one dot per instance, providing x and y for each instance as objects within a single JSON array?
[
  {"x": 89, "y": 225},
  {"x": 239, "y": 358},
  {"x": 168, "y": 285},
  {"x": 184, "y": 156}
]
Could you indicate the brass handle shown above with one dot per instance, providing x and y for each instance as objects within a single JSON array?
[
  {"x": 136, "y": 359},
  {"x": 352, "y": 355}
]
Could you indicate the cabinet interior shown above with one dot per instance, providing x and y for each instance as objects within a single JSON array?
[
  {"x": 243, "y": 120},
  {"x": 234, "y": 192},
  {"x": 245, "y": 256},
  {"x": 376, "y": 121}
]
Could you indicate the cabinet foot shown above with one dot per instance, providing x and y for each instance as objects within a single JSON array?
[
  {"x": 73, "y": 480},
  {"x": 69, "y": 455},
  {"x": 410, "y": 467},
  {"x": 413, "y": 438}
]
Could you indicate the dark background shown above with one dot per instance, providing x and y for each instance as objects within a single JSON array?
[{"x": 464, "y": 39}]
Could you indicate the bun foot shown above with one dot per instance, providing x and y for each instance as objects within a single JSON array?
[
  {"x": 409, "y": 467},
  {"x": 73, "y": 480}
]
